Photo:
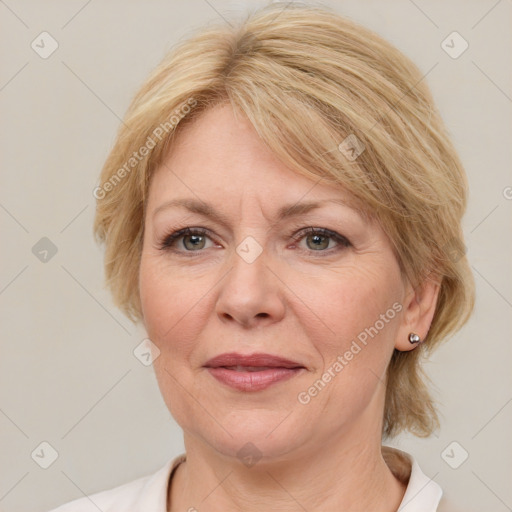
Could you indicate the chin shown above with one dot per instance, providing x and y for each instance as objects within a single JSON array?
[{"x": 251, "y": 435}]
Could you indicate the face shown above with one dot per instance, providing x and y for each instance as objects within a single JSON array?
[{"x": 248, "y": 280}]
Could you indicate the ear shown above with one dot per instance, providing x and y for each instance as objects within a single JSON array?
[{"x": 418, "y": 311}]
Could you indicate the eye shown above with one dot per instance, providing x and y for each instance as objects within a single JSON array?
[
  {"x": 192, "y": 240},
  {"x": 319, "y": 239}
]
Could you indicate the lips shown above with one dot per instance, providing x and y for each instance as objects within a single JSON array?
[
  {"x": 240, "y": 368},
  {"x": 251, "y": 362},
  {"x": 254, "y": 372}
]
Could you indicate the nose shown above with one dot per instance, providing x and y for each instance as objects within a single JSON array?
[{"x": 251, "y": 293}]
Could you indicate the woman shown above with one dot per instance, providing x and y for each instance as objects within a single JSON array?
[{"x": 282, "y": 210}]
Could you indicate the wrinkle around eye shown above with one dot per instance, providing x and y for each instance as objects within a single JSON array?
[{"x": 355, "y": 233}]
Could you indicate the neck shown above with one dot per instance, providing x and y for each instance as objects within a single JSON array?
[{"x": 341, "y": 475}]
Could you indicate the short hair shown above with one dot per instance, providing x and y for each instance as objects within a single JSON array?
[{"x": 331, "y": 100}]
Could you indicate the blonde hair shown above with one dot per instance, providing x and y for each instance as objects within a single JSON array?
[{"x": 319, "y": 89}]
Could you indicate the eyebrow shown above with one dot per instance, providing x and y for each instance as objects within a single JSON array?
[{"x": 285, "y": 212}]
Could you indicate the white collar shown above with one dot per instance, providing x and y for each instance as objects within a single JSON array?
[{"x": 422, "y": 493}]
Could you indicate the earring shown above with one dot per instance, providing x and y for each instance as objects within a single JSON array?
[{"x": 414, "y": 338}]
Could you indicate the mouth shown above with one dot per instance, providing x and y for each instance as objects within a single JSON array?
[
  {"x": 253, "y": 372},
  {"x": 233, "y": 360},
  {"x": 240, "y": 368}
]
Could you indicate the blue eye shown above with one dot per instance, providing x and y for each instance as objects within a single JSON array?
[
  {"x": 318, "y": 239},
  {"x": 194, "y": 240}
]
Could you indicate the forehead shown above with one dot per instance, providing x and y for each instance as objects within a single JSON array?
[{"x": 219, "y": 158}]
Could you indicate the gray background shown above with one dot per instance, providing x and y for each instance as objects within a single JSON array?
[{"x": 68, "y": 375}]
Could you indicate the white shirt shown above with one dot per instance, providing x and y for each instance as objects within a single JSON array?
[{"x": 149, "y": 493}]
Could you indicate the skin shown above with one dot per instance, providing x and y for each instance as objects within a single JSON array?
[{"x": 294, "y": 301}]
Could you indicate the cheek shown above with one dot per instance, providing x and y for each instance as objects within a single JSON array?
[
  {"x": 175, "y": 306},
  {"x": 172, "y": 318},
  {"x": 353, "y": 305},
  {"x": 355, "y": 338},
  {"x": 164, "y": 301},
  {"x": 155, "y": 293}
]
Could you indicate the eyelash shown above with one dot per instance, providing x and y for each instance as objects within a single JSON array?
[{"x": 169, "y": 240}]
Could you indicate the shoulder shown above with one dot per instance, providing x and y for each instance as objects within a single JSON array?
[
  {"x": 145, "y": 493},
  {"x": 422, "y": 493}
]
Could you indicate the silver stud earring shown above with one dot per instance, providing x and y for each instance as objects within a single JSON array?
[{"x": 414, "y": 338}]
